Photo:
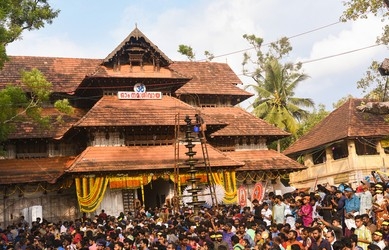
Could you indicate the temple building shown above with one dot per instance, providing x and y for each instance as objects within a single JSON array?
[
  {"x": 345, "y": 147},
  {"x": 124, "y": 146}
]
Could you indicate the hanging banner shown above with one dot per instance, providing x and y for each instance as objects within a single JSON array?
[
  {"x": 257, "y": 192},
  {"x": 242, "y": 194}
]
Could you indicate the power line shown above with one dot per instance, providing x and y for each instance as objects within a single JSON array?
[
  {"x": 330, "y": 56},
  {"x": 267, "y": 44},
  {"x": 340, "y": 54}
]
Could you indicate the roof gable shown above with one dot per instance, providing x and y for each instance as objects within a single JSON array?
[
  {"x": 344, "y": 122},
  {"x": 136, "y": 48}
]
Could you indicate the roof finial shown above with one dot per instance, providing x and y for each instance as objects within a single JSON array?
[{"x": 136, "y": 25}]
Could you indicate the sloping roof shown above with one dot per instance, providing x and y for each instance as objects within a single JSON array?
[
  {"x": 209, "y": 78},
  {"x": 135, "y": 158},
  {"x": 137, "y": 37},
  {"x": 241, "y": 123},
  {"x": 33, "y": 170},
  {"x": 264, "y": 160},
  {"x": 344, "y": 122},
  {"x": 110, "y": 111},
  {"x": 26, "y": 128},
  {"x": 64, "y": 73}
]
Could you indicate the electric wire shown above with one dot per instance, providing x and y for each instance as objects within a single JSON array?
[{"x": 267, "y": 44}]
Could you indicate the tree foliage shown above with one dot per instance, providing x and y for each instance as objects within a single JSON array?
[
  {"x": 373, "y": 84},
  {"x": 361, "y": 9},
  {"x": 275, "y": 82},
  {"x": 17, "y": 103},
  {"x": 311, "y": 120},
  {"x": 19, "y": 15},
  {"x": 341, "y": 101},
  {"x": 186, "y": 51}
]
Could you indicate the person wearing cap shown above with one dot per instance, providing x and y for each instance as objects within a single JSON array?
[
  {"x": 378, "y": 239},
  {"x": 218, "y": 240},
  {"x": 365, "y": 198},
  {"x": 352, "y": 203},
  {"x": 385, "y": 229}
]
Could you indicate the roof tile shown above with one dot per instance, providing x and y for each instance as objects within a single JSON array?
[
  {"x": 135, "y": 158},
  {"x": 33, "y": 170},
  {"x": 264, "y": 160},
  {"x": 344, "y": 122},
  {"x": 241, "y": 123}
]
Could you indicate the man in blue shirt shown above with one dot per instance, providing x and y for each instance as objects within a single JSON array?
[{"x": 352, "y": 203}]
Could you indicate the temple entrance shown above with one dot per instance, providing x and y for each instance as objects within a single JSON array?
[{"x": 156, "y": 192}]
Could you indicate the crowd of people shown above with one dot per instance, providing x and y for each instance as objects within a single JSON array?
[{"x": 330, "y": 218}]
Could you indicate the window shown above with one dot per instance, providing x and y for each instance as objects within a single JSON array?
[
  {"x": 319, "y": 156},
  {"x": 339, "y": 150},
  {"x": 366, "y": 147}
]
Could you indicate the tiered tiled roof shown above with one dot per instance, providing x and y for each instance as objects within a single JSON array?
[
  {"x": 110, "y": 111},
  {"x": 64, "y": 73},
  {"x": 242, "y": 123},
  {"x": 33, "y": 170},
  {"x": 344, "y": 122},
  {"x": 27, "y": 128},
  {"x": 209, "y": 78},
  {"x": 262, "y": 160},
  {"x": 137, "y": 158}
]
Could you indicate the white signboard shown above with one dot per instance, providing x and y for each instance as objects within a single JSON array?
[{"x": 124, "y": 95}]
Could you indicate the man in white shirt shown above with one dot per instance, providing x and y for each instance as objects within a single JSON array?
[
  {"x": 279, "y": 210},
  {"x": 266, "y": 214},
  {"x": 365, "y": 199}
]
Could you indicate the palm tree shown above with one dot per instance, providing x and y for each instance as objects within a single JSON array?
[{"x": 275, "y": 100}]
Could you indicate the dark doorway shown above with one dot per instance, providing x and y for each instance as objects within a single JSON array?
[{"x": 156, "y": 192}]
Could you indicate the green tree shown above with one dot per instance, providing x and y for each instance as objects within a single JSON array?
[
  {"x": 341, "y": 101},
  {"x": 361, "y": 9},
  {"x": 16, "y": 105},
  {"x": 275, "y": 83},
  {"x": 373, "y": 84},
  {"x": 186, "y": 51},
  {"x": 313, "y": 118},
  {"x": 19, "y": 15}
]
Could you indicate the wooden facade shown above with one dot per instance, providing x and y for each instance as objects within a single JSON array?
[{"x": 128, "y": 147}]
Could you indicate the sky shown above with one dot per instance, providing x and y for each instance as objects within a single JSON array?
[{"x": 93, "y": 28}]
